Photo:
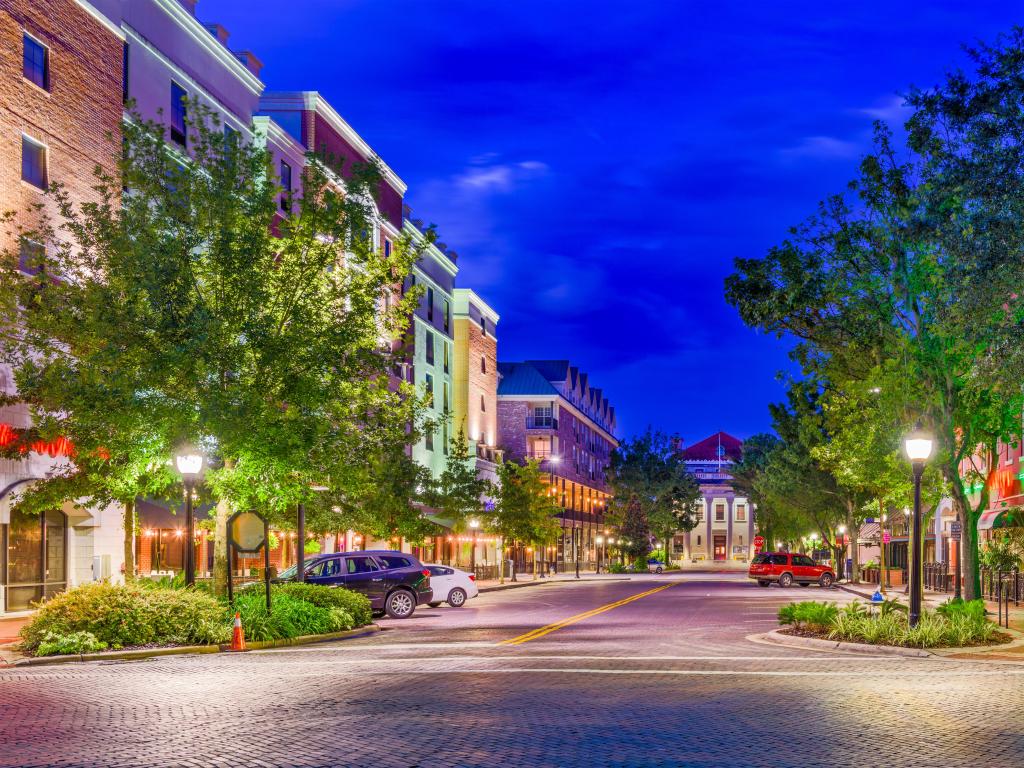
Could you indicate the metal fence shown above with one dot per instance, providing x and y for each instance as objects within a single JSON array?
[{"x": 1008, "y": 584}]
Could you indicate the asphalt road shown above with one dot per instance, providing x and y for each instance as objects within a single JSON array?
[{"x": 650, "y": 671}]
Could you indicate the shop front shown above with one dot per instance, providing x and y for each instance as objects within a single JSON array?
[{"x": 35, "y": 557}]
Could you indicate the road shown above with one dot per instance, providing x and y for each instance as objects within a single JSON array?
[{"x": 648, "y": 671}]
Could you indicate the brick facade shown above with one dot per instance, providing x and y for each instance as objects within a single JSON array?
[{"x": 78, "y": 118}]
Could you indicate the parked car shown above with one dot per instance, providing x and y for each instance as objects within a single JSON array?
[
  {"x": 395, "y": 582},
  {"x": 786, "y": 568},
  {"x": 655, "y": 566},
  {"x": 451, "y": 585}
]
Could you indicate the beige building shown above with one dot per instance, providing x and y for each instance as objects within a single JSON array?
[{"x": 475, "y": 377}]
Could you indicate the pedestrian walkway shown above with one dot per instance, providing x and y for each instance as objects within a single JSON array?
[{"x": 11, "y": 626}]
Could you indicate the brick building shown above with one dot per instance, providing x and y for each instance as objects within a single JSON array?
[
  {"x": 548, "y": 410},
  {"x": 725, "y": 528},
  {"x": 60, "y": 114}
]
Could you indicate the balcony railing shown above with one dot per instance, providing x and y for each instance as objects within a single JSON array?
[{"x": 541, "y": 422}]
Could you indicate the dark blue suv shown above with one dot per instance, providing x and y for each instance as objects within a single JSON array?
[{"x": 394, "y": 581}]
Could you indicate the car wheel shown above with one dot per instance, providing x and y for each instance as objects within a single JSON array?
[
  {"x": 400, "y": 604},
  {"x": 433, "y": 605},
  {"x": 457, "y": 597},
  {"x": 763, "y": 582},
  {"x": 786, "y": 580},
  {"x": 826, "y": 580}
]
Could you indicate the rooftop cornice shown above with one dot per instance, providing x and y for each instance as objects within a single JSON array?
[
  {"x": 466, "y": 296},
  {"x": 314, "y": 102},
  {"x": 435, "y": 253},
  {"x": 202, "y": 35}
]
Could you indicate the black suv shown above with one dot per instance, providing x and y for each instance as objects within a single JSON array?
[{"x": 394, "y": 581}]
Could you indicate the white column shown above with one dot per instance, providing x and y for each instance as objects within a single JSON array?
[
  {"x": 728, "y": 528},
  {"x": 709, "y": 549}
]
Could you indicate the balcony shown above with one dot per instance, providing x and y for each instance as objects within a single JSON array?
[{"x": 541, "y": 422}]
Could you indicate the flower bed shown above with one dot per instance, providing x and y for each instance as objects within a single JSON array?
[
  {"x": 954, "y": 624},
  {"x": 98, "y": 616}
]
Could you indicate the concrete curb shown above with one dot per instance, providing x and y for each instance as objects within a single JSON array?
[
  {"x": 776, "y": 637},
  {"x": 181, "y": 650}
]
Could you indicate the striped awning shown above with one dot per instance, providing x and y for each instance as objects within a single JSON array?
[{"x": 1010, "y": 517}]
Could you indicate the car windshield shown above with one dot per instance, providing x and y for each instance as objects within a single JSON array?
[{"x": 288, "y": 573}]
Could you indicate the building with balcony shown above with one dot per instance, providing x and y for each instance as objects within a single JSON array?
[
  {"x": 548, "y": 410},
  {"x": 725, "y": 527}
]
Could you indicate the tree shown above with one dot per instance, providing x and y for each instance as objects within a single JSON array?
[
  {"x": 915, "y": 275},
  {"x": 524, "y": 510},
  {"x": 459, "y": 494},
  {"x": 652, "y": 491},
  {"x": 188, "y": 309}
]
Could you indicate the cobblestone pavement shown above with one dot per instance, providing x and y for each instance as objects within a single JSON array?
[{"x": 667, "y": 679}]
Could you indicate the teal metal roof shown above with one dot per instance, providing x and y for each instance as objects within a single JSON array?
[{"x": 523, "y": 379}]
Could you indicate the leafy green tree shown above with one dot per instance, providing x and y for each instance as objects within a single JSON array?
[
  {"x": 524, "y": 510},
  {"x": 459, "y": 494},
  {"x": 649, "y": 482},
  {"x": 188, "y": 309}
]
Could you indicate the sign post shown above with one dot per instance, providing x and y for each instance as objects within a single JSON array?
[{"x": 248, "y": 532}]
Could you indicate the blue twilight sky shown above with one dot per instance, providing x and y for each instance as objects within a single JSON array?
[{"x": 597, "y": 165}]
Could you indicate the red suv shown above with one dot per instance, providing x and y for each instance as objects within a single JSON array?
[{"x": 785, "y": 568}]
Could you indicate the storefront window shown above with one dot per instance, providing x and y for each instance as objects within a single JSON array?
[{"x": 36, "y": 558}]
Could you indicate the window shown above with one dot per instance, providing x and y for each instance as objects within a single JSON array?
[
  {"x": 428, "y": 347},
  {"x": 329, "y": 567},
  {"x": 36, "y": 63},
  {"x": 124, "y": 73},
  {"x": 761, "y": 559},
  {"x": 444, "y": 397},
  {"x": 33, "y": 162},
  {"x": 741, "y": 513},
  {"x": 483, "y": 326},
  {"x": 30, "y": 257},
  {"x": 719, "y": 512},
  {"x": 779, "y": 560},
  {"x": 444, "y": 345},
  {"x": 698, "y": 540},
  {"x": 429, "y": 385},
  {"x": 387, "y": 248},
  {"x": 802, "y": 560},
  {"x": 394, "y": 561},
  {"x": 430, "y": 303},
  {"x": 483, "y": 365},
  {"x": 429, "y": 440},
  {"x": 361, "y": 564},
  {"x": 447, "y": 316},
  {"x": 179, "y": 113},
  {"x": 483, "y": 404},
  {"x": 286, "y": 184}
]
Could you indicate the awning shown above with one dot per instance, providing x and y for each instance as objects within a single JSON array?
[{"x": 1010, "y": 517}]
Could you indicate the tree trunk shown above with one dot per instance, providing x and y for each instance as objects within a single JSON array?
[
  {"x": 130, "y": 531},
  {"x": 854, "y": 534},
  {"x": 968, "y": 548},
  {"x": 668, "y": 558},
  {"x": 220, "y": 557}
]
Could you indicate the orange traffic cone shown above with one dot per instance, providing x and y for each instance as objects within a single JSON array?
[{"x": 238, "y": 635}]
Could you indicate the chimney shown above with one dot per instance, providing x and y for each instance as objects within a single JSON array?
[
  {"x": 248, "y": 58},
  {"x": 218, "y": 31},
  {"x": 189, "y": 5}
]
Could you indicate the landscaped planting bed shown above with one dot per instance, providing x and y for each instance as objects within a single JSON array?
[
  {"x": 954, "y": 624},
  {"x": 97, "y": 617}
]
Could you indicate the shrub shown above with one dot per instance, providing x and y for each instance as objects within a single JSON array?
[
  {"x": 974, "y": 609},
  {"x": 289, "y": 616},
  {"x": 817, "y": 617},
  {"x": 53, "y": 644},
  {"x": 121, "y": 615},
  {"x": 355, "y": 604},
  {"x": 616, "y": 568}
]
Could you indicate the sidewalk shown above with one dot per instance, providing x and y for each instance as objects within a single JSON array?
[{"x": 10, "y": 626}]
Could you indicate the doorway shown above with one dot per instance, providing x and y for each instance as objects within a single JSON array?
[{"x": 719, "y": 546}]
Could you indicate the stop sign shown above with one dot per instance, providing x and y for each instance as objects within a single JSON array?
[{"x": 759, "y": 541}]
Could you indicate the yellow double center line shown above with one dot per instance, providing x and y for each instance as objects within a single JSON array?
[{"x": 548, "y": 629}]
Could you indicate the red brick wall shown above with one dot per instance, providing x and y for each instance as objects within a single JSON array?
[
  {"x": 512, "y": 428},
  {"x": 74, "y": 118}
]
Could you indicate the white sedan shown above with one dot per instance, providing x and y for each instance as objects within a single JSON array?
[{"x": 451, "y": 585}]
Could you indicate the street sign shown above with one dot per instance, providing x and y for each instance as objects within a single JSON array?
[
  {"x": 886, "y": 537},
  {"x": 955, "y": 528},
  {"x": 247, "y": 532},
  {"x": 759, "y": 541}
]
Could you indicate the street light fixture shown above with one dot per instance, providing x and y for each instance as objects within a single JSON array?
[
  {"x": 918, "y": 445},
  {"x": 598, "y": 541},
  {"x": 189, "y": 463}
]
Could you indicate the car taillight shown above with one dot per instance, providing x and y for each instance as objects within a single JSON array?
[
  {"x": 472, "y": 577},
  {"x": 426, "y": 573}
]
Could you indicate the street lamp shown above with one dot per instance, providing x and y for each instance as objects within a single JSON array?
[
  {"x": 598, "y": 541},
  {"x": 919, "y": 447},
  {"x": 473, "y": 525},
  {"x": 189, "y": 462}
]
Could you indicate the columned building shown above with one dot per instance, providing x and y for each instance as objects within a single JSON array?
[
  {"x": 725, "y": 527},
  {"x": 547, "y": 410}
]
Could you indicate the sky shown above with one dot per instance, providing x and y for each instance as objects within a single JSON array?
[{"x": 598, "y": 165}]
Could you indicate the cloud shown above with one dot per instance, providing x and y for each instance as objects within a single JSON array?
[
  {"x": 498, "y": 177},
  {"x": 822, "y": 148},
  {"x": 893, "y": 110}
]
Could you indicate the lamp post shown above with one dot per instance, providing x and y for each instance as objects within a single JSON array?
[
  {"x": 919, "y": 447},
  {"x": 474, "y": 524},
  {"x": 553, "y": 461},
  {"x": 598, "y": 541},
  {"x": 189, "y": 462}
]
